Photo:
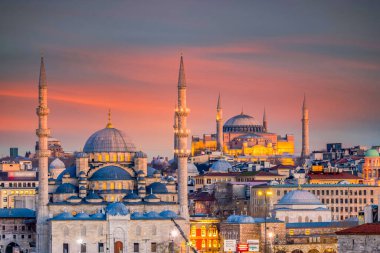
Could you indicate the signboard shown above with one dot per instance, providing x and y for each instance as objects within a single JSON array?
[
  {"x": 242, "y": 247},
  {"x": 253, "y": 245},
  {"x": 230, "y": 245}
]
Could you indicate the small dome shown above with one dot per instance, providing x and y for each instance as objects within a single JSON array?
[
  {"x": 151, "y": 198},
  {"x": 151, "y": 171},
  {"x": 117, "y": 208},
  {"x": 93, "y": 195},
  {"x": 82, "y": 215},
  {"x": 140, "y": 154},
  {"x": 64, "y": 216},
  {"x": 131, "y": 196},
  {"x": 70, "y": 171},
  {"x": 111, "y": 173},
  {"x": 371, "y": 153},
  {"x": 108, "y": 140},
  {"x": 137, "y": 215},
  {"x": 241, "y": 120},
  {"x": 233, "y": 218},
  {"x": 246, "y": 219},
  {"x": 152, "y": 215},
  {"x": 140, "y": 172},
  {"x": 299, "y": 197},
  {"x": 192, "y": 169},
  {"x": 57, "y": 164},
  {"x": 97, "y": 216},
  {"x": 157, "y": 188},
  {"x": 168, "y": 214},
  {"x": 81, "y": 155},
  {"x": 220, "y": 166},
  {"x": 66, "y": 188}
]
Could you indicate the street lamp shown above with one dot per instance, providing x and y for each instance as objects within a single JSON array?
[{"x": 265, "y": 194}]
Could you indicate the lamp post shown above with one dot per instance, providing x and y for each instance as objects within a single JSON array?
[
  {"x": 265, "y": 194},
  {"x": 270, "y": 234}
]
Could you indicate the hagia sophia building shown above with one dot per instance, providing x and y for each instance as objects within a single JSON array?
[
  {"x": 243, "y": 135},
  {"x": 109, "y": 201}
]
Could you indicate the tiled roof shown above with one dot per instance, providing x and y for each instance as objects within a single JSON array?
[
  {"x": 332, "y": 176},
  {"x": 336, "y": 224},
  {"x": 220, "y": 174},
  {"x": 17, "y": 213},
  {"x": 365, "y": 229},
  {"x": 315, "y": 185},
  {"x": 282, "y": 166}
]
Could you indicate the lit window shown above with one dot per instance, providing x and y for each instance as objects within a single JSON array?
[{"x": 203, "y": 231}]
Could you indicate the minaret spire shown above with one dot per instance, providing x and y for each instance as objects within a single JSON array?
[
  {"x": 43, "y": 154},
  {"x": 219, "y": 125},
  {"x": 265, "y": 123},
  {"x": 182, "y": 134},
  {"x": 109, "y": 124},
  {"x": 305, "y": 130}
]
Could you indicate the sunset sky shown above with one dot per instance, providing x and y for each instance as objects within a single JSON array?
[{"x": 125, "y": 56}]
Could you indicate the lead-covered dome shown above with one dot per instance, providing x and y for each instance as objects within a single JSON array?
[
  {"x": 371, "y": 153},
  {"x": 241, "y": 120},
  {"x": 220, "y": 166},
  {"x": 299, "y": 197},
  {"x": 108, "y": 139}
]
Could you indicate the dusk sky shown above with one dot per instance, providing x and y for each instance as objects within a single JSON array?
[{"x": 125, "y": 56}]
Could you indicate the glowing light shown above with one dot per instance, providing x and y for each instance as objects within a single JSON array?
[{"x": 80, "y": 241}]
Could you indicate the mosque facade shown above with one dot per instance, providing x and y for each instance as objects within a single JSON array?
[
  {"x": 242, "y": 135},
  {"x": 109, "y": 201}
]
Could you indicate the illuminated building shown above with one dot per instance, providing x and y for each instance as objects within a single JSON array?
[
  {"x": 204, "y": 234},
  {"x": 242, "y": 135},
  {"x": 333, "y": 178},
  {"x": 371, "y": 167}
]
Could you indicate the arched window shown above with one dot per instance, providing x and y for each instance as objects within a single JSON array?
[
  {"x": 306, "y": 219},
  {"x": 104, "y": 186},
  {"x": 203, "y": 243},
  {"x": 107, "y": 157},
  {"x": 203, "y": 231},
  {"x": 193, "y": 231},
  {"x": 154, "y": 230},
  {"x": 65, "y": 230},
  {"x": 112, "y": 186},
  {"x": 83, "y": 231},
  {"x": 138, "y": 230},
  {"x": 100, "y": 230},
  {"x": 299, "y": 219},
  {"x": 286, "y": 219},
  {"x": 319, "y": 218},
  {"x": 100, "y": 158}
]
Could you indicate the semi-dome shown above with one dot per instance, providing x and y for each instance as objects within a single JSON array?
[
  {"x": 117, "y": 208},
  {"x": 299, "y": 197},
  {"x": 110, "y": 173},
  {"x": 63, "y": 216},
  {"x": 66, "y": 188},
  {"x": 371, "y": 153},
  {"x": 220, "y": 166},
  {"x": 168, "y": 214},
  {"x": 241, "y": 120},
  {"x": 157, "y": 187},
  {"x": 57, "y": 164},
  {"x": 82, "y": 215},
  {"x": 108, "y": 139}
]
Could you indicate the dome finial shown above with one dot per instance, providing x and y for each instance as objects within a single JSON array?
[
  {"x": 109, "y": 124},
  {"x": 242, "y": 110},
  {"x": 299, "y": 184}
]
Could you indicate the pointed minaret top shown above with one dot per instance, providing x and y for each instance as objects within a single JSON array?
[
  {"x": 264, "y": 115},
  {"x": 219, "y": 105},
  {"x": 109, "y": 124},
  {"x": 304, "y": 106},
  {"x": 42, "y": 82},
  {"x": 181, "y": 76}
]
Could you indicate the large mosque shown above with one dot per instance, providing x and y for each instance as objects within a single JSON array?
[
  {"x": 243, "y": 135},
  {"x": 109, "y": 201}
]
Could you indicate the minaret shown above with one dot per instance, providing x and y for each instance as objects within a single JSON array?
[
  {"x": 265, "y": 123},
  {"x": 175, "y": 128},
  {"x": 182, "y": 134},
  {"x": 305, "y": 130},
  {"x": 219, "y": 125},
  {"x": 43, "y": 154}
]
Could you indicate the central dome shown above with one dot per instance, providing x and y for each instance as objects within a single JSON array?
[
  {"x": 108, "y": 139},
  {"x": 299, "y": 197},
  {"x": 241, "y": 120}
]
